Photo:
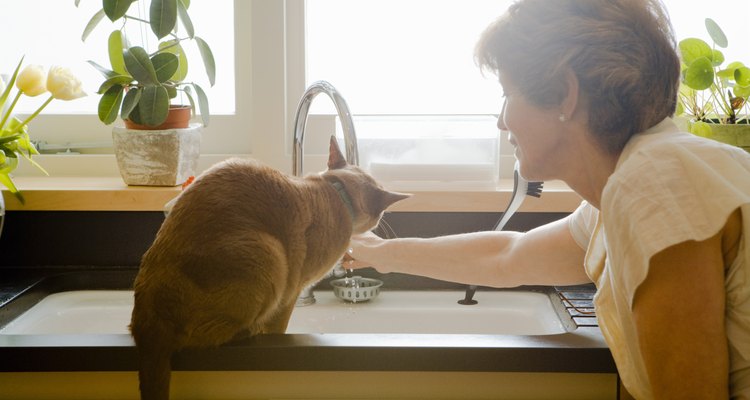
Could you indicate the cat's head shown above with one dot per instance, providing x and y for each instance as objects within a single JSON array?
[{"x": 368, "y": 199}]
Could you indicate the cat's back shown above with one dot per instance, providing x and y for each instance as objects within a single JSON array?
[{"x": 242, "y": 187}]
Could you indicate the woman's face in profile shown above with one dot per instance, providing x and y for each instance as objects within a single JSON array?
[{"x": 533, "y": 131}]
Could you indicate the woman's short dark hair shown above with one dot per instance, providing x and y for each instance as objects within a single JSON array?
[{"x": 622, "y": 52}]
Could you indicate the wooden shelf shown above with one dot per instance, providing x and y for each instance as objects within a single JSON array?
[{"x": 111, "y": 194}]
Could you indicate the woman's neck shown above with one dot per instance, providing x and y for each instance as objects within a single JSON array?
[{"x": 591, "y": 170}]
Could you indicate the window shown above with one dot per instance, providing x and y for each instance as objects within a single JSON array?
[
  {"x": 381, "y": 54},
  {"x": 393, "y": 58},
  {"x": 48, "y": 32},
  {"x": 416, "y": 56}
]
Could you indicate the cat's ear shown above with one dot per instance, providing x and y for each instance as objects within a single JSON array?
[
  {"x": 336, "y": 160},
  {"x": 388, "y": 198}
]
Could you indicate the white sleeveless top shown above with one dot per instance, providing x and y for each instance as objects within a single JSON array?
[{"x": 668, "y": 187}]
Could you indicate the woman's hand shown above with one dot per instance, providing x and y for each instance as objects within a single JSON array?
[{"x": 358, "y": 247}]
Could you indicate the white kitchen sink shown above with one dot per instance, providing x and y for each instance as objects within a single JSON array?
[{"x": 393, "y": 312}]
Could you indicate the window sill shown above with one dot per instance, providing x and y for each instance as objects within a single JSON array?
[{"x": 111, "y": 194}]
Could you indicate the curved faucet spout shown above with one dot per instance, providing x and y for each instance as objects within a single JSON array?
[
  {"x": 300, "y": 121},
  {"x": 350, "y": 141}
]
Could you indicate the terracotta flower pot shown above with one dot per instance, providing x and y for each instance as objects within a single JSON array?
[{"x": 177, "y": 118}]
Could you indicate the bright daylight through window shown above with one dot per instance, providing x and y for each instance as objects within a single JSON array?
[
  {"x": 405, "y": 68},
  {"x": 422, "y": 108}
]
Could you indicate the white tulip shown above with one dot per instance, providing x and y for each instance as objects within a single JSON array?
[
  {"x": 30, "y": 80},
  {"x": 63, "y": 85}
]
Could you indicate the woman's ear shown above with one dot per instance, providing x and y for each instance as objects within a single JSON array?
[
  {"x": 336, "y": 160},
  {"x": 569, "y": 103}
]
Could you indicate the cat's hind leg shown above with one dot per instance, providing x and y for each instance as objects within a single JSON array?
[{"x": 278, "y": 322}]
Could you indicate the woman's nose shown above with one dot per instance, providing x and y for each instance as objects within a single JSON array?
[
  {"x": 500, "y": 118},
  {"x": 500, "y": 123}
]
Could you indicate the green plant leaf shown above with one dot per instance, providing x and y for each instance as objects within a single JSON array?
[
  {"x": 115, "y": 47},
  {"x": 189, "y": 94},
  {"x": 104, "y": 71},
  {"x": 185, "y": 3},
  {"x": 717, "y": 57},
  {"x": 130, "y": 102},
  {"x": 742, "y": 91},
  {"x": 208, "y": 59},
  {"x": 717, "y": 35},
  {"x": 700, "y": 128},
  {"x": 692, "y": 49},
  {"x": 171, "y": 91},
  {"x": 93, "y": 22},
  {"x": 15, "y": 125},
  {"x": 11, "y": 138},
  {"x": 700, "y": 74},
  {"x": 202, "y": 104},
  {"x": 154, "y": 105},
  {"x": 34, "y": 163},
  {"x": 8, "y": 182},
  {"x": 174, "y": 47},
  {"x": 680, "y": 109},
  {"x": 117, "y": 80},
  {"x": 185, "y": 19},
  {"x": 163, "y": 17},
  {"x": 742, "y": 76},
  {"x": 9, "y": 85},
  {"x": 166, "y": 65},
  {"x": 116, "y": 9},
  {"x": 24, "y": 143},
  {"x": 139, "y": 66},
  {"x": 109, "y": 104}
]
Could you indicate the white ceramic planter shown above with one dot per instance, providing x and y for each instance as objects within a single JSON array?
[{"x": 157, "y": 158}]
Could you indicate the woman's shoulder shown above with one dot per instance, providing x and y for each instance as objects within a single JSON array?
[
  {"x": 673, "y": 157},
  {"x": 677, "y": 182}
]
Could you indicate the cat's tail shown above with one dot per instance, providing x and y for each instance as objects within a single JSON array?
[
  {"x": 154, "y": 372},
  {"x": 155, "y": 348}
]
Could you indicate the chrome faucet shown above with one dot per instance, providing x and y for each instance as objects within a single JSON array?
[{"x": 306, "y": 297}]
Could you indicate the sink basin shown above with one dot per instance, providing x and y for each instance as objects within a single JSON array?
[
  {"x": 416, "y": 312},
  {"x": 497, "y": 313}
]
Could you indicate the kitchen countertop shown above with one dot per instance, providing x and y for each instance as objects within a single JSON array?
[
  {"x": 111, "y": 194},
  {"x": 581, "y": 351}
]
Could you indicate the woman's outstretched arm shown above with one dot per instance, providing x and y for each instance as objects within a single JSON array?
[{"x": 547, "y": 255}]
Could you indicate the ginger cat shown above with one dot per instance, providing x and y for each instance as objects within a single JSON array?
[{"x": 239, "y": 245}]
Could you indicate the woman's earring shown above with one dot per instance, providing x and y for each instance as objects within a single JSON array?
[{"x": 562, "y": 117}]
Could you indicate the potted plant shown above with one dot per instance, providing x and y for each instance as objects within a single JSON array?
[
  {"x": 143, "y": 83},
  {"x": 714, "y": 97}
]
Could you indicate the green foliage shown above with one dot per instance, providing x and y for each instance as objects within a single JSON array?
[
  {"x": 140, "y": 86},
  {"x": 710, "y": 93},
  {"x": 15, "y": 141}
]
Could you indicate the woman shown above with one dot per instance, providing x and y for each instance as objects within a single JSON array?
[{"x": 589, "y": 88}]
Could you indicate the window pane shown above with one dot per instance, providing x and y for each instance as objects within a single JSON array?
[
  {"x": 48, "y": 32},
  {"x": 731, "y": 15},
  {"x": 416, "y": 56},
  {"x": 402, "y": 56}
]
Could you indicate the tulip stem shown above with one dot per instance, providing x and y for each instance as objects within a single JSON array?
[
  {"x": 32, "y": 116},
  {"x": 10, "y": 110}
]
